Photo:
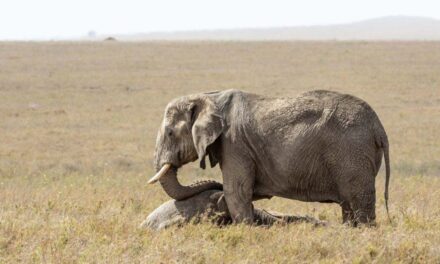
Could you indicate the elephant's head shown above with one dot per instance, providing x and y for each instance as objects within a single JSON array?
[{"x": 190, "y": 126}]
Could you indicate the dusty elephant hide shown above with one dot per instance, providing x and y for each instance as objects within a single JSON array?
[{"x": 211, "y": 206}]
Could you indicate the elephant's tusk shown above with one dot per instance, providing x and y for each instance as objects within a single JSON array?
[{"x": 160, "y": 173}]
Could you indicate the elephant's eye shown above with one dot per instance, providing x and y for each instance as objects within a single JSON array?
[{"x": 168, "y": 132}]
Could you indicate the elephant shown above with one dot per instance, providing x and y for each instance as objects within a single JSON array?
[
  {"x": 321, "y": 146},
  {"x": 211, "y": 204}
]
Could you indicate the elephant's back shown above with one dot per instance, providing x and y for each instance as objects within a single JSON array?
[
  {"x": 334, "y": 119},
  {"x": 315, "y": 111},
  {"x": 346, "y": 110}
]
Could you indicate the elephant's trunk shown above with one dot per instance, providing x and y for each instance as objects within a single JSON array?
[{"x": 175, "y": 190}]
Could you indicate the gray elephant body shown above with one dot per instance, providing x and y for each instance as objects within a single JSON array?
[
  {"x": 320, "y": 147},
  {"x": 210, "y": 205}
]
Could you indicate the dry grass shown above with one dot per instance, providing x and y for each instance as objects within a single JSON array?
[{"x": 78, "y": 124}]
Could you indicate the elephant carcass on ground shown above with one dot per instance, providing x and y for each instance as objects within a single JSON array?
[{"x": 211, "y": 205}]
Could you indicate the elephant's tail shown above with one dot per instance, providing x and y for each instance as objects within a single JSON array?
[{"x": 386, "y": 155}]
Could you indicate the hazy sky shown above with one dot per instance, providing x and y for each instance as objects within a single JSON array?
[{"x": 46, "y": 19}]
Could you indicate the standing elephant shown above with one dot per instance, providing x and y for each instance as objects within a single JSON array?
[{"x": 321, "y": 146}]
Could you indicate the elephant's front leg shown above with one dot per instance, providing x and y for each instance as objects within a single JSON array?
[{"x": 238, "y": 184}]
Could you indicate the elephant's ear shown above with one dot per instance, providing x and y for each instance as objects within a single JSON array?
[{"x": 207, "y": 127}]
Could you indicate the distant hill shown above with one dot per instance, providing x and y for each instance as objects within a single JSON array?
[{"x": 384, "y": 28}]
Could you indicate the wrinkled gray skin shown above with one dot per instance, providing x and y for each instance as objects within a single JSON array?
[
  {"x": 211, "y": 205},
  {"x": 321, "y": 146}
]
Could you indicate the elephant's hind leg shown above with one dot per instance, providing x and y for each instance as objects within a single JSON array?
[
  {"x": 364, "y": 207},
  {"x": 347, "y": 213},
  {"x": 356, "y": 186}
]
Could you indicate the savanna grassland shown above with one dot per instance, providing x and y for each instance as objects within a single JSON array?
[{"x": 78, "y": 123}]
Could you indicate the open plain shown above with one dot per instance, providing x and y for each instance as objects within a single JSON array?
[{"x": 78, "y": 122}]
